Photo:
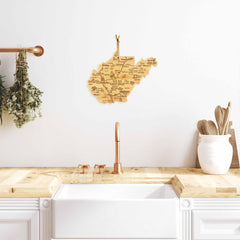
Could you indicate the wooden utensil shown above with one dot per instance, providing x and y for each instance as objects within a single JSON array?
[
  {"x": 219, "y": 116},
  {"x": 226, "y": 119},
  {"x": 207, "y": 127},
  {"x": 201, "y": 126},
  {"x": 210, "y": 128}
]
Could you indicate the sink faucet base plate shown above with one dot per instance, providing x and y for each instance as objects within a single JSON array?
[{"x": 117, "y": 168}]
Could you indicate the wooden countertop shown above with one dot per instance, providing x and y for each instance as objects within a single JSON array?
[{"x": 188, "y": 182}]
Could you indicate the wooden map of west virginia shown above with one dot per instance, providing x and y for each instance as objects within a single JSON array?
[{"x": 115, "y": 79}]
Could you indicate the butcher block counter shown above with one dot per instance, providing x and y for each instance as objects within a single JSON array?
[{"x": 188, "y": 182}]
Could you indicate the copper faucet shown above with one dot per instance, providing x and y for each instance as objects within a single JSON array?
[{"x": 117, "y": 165}]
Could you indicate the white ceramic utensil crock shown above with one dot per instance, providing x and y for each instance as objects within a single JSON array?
[{"x": 215, "y": 153}]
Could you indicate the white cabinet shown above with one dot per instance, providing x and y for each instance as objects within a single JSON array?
[
  {"x": 210, "y": 219},
  {"x": 45, "y": 218},
  {"x": 19, "y": 225},
  {"x": 216, "y": 224},
  {"x": 200, "y": 219},
  {"x": 19, "y": 219}
]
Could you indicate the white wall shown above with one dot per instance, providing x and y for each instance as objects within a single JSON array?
[{"x": 197, "y": 46}]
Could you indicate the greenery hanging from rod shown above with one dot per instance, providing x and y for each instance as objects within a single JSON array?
[
  {"x": 22, "y": 100},
  {"x": 2, "y": 95}
]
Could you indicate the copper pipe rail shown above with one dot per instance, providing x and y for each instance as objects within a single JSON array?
[{"x": 37, "y": 50}]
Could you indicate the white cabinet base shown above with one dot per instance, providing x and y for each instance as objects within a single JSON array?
[
  {"x": 210, "y": 218},
  {"x": 216, "y": 224},
  {"x": 20, "y": 225},
  {"x": 19, "y": 219},
  {"x": 45, "y": 219},
  {"x": 114, "y": 239},
  {"x": 200, "y": 219}
]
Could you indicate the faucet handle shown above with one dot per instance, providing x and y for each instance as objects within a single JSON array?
[
  {"x": 83, "y": 167},
  {"x": 99, "y": 167}
]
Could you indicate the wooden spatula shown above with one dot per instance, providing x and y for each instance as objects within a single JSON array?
[
  {"x": 219, "y": 116},
  {"x": 226, "y": 119}
]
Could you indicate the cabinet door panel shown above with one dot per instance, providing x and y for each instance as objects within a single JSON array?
[
  {"x": 19, "y": 225},
  {"x": 216, "y": 224}
]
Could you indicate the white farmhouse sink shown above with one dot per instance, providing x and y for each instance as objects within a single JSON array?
[{"x": 115, "y": 211}]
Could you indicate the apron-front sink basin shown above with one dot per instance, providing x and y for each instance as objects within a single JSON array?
[{"x": 115, "y": 211}]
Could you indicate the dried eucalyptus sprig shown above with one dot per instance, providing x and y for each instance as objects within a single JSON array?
[
  {"x": 22, "y": 100},
  {"x": 2, "y": 95}
]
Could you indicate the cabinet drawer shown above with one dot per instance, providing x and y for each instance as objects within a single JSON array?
[{"x": 216, "y": 224}]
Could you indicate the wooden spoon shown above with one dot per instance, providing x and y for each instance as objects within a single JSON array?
[
  {"x": 219, "y": 116},
  {"x": 210, "y": 128},
  {"x": 201, "y": 127}
]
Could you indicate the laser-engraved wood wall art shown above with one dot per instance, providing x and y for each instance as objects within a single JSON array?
[{"x": 115, "y": 79}]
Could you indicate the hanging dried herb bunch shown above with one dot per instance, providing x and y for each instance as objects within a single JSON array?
[
  {"x": 22, "y": 100},
  {"x": 2, "y": 95}
]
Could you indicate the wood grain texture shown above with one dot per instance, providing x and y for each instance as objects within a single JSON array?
[
  {"x": 188, "y": 182},
  {"x": 115, "y": 79},
  {"x": 207, "y": 186}
]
